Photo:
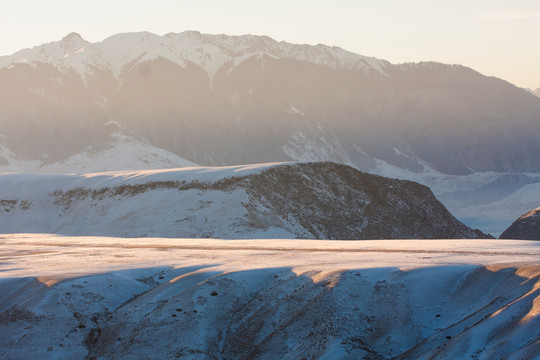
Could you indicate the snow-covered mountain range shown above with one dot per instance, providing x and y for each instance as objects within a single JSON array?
[
  {"x": 216, "y": 99},
  {"x": 144, "y": 101},
  {"x": 122, "y": 52},
  {"x": 288, "y": 200}
]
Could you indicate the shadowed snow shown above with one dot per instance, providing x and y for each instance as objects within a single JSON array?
[{"x": 110, "y": 298}]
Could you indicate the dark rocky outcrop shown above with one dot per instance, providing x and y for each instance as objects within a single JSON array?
[
  {"x": 526, "y": 227},
  {"x": 332, "y": 201}
]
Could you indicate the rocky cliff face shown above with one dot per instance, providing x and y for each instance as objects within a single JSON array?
[
  {"x": 299, "y": 200},
  {"x": 526, "y": 227}
]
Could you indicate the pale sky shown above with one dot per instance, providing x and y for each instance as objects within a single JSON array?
[{"x": 495, "y": 37}]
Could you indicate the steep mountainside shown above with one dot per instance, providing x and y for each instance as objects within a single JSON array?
[
  {"x": 303, "y": 200},
  {"x": 223, "y": 100},
  {"x": 527, "y": 227}
]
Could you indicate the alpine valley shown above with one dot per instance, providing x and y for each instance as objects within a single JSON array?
[{"x": 143, "y": 101}]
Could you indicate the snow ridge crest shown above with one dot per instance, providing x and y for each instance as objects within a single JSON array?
[{"x": 210, "y": 52}]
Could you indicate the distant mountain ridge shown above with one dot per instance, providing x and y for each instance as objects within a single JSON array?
[
  {"x": 224, "y": 100},
  {"x": 119, "y": 53},
  {"x": 298, "y": 200}
]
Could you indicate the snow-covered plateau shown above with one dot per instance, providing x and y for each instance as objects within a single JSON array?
[{"x": 110, "y": 298}]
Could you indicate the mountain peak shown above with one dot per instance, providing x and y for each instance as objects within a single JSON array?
[
  {"x": 72, "y": 41},
  {"x": 71, "y": 36},
  {"x": 193, "y": 33},
  {"x": 210, "y": 52}
]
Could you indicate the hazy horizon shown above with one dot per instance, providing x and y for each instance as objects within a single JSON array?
[{"x": 496, "y": 39}]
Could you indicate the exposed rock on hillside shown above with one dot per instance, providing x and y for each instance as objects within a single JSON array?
[
  {"x": 294, "y": 200},
  {"x": 526, "y": 227},
  {"x": 332, "y": 201}
]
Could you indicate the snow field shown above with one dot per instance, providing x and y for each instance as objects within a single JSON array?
[{"x": 203, "y": 298}]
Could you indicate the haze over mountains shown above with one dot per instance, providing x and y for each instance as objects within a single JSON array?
[
  {"x": 143, "y": 101},
  {"x": 220, "y": 100}
]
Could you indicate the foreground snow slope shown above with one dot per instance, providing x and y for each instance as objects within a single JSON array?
[{"x": 107, "y": 298}]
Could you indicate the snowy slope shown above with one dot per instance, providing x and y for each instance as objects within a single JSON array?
[
  {"x": 122, "y": 153},
  {"x": 164, "y": 211},
  {"x": 108, "y": 298},
  {"x": 287, "y": 200},
  {"x": 210, "y": 52}
]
